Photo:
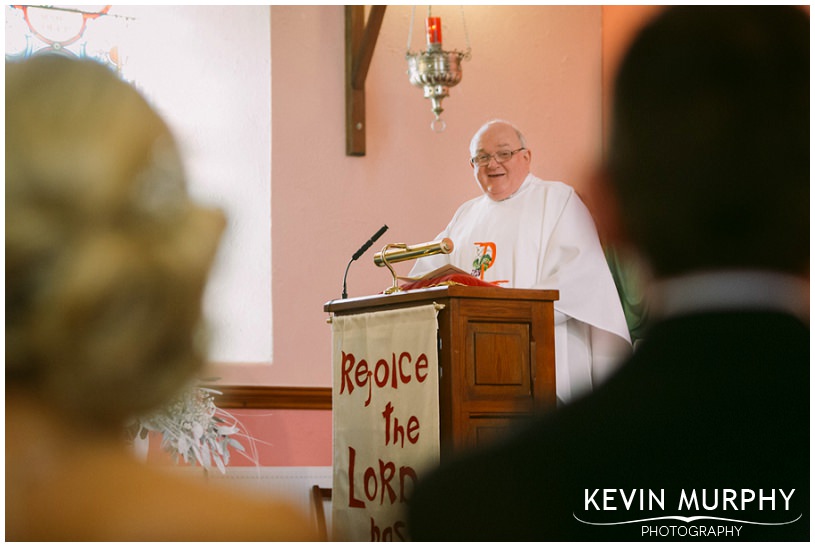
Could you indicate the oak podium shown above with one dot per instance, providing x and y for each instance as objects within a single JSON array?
[{"x": 496, "y": 355}]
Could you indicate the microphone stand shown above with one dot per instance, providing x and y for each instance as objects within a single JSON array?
[
  {"x": 358, "y": 254},
  {"x": 344, "y": 287}
]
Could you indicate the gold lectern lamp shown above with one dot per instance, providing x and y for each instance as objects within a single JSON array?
[{"x": 399, "y": 252}]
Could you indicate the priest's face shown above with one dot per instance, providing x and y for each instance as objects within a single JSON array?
[{"x": 499, "y": 179}]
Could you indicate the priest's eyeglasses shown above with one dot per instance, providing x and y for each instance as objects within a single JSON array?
[{"x": 501, "y": 156}]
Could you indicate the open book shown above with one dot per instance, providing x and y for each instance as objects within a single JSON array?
[
  {"x": 444, "y": 275},
  {"x": 447, "y": 269}
]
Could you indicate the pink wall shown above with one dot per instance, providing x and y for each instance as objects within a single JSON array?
[
  {"x": 279, "y": 438},
  {"x": 285, "y": 437},
  {"x": 544, "y": 67}
]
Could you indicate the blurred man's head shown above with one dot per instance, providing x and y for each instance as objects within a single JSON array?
[{"x": 709, "y": 153}]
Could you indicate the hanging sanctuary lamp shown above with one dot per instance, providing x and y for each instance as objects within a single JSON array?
[{"x": 435, "y": 70}]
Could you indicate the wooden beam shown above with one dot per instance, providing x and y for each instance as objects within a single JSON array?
[
  {"x": 273, "y": 397},
  {"x": 360, "y": 41}
]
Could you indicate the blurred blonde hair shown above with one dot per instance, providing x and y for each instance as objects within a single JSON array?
[{"x": 106, "y": 255}]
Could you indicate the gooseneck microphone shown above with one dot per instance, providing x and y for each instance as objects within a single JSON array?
[
  {"x": 370, "y": 242},
  {"x": 359, "y": 253}
]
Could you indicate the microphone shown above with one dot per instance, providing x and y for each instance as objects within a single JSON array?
[
  {"x": 370, "y": 242},
  {"x": 359, "y": 253}
]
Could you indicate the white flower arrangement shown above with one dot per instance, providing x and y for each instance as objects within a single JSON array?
[{"x": 194, "y": 429}]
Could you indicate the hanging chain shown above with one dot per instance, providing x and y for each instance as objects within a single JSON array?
[
  {"x": 410, "y": 31},
  {"x": 466, "y": 34}
]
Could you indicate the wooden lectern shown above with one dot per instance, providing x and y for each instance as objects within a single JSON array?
[{"x": 496, "y": 355}]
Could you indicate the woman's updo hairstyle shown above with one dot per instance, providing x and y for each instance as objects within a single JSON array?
[{"x": 106, "y": 255}]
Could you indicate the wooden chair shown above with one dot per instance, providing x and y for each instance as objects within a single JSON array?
[{"x": 318, "y": 498}]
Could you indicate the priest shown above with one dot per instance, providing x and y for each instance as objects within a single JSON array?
[{"x": 528, "y": 233}]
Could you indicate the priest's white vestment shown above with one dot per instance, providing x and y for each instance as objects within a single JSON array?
[{"x": 543, "y": 237}]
